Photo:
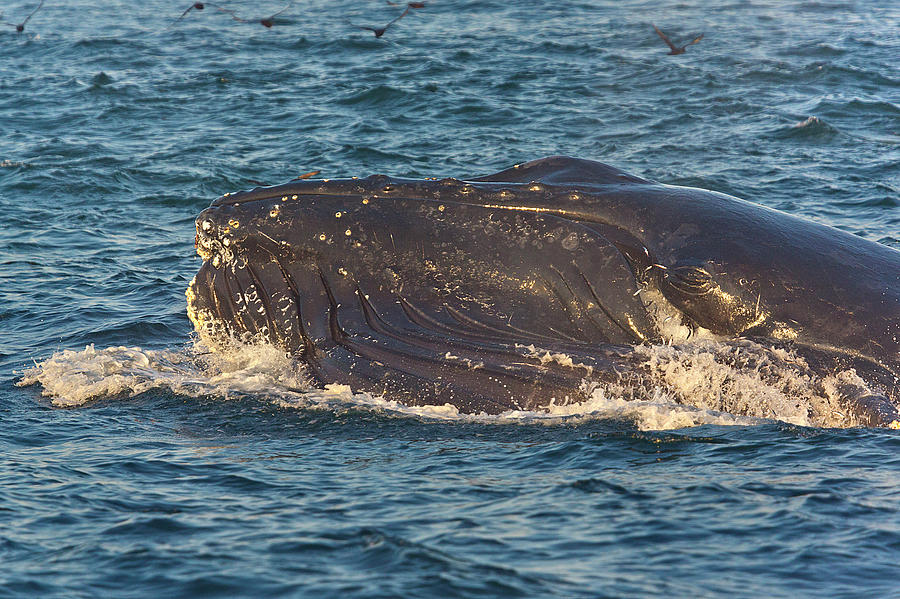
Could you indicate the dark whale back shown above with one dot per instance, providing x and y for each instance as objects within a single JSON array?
[{"x": 562, "y": 170}]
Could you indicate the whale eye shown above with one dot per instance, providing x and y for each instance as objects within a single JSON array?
[{"x": 691, "y": 280}]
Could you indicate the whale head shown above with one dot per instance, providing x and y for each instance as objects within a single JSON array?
[{"x": 409, "y": 281}]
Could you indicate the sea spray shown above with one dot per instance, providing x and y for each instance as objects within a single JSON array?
[{"x": 75, "y": 378}]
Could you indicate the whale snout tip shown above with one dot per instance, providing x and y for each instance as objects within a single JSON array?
[{"x": 214, "y": 236}]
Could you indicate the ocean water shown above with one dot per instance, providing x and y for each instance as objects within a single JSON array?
[{"x": 135, "y": 463}]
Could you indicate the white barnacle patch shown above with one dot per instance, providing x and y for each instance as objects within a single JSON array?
[
  {"x": 273, "y": 213},
  {"x": 570, "y": 242},
  {"x": 322, "y": 237},
  {"x": 226, "y": 241},
  {"x": 283, "y": 304},
  {"x": 574, "y": 196},
  {"x": 234, "y": 223},
  {"x": 338, "y": 214},
  {"x": 293, "y": 197},
  {"x": 535, "y": 186},
  {"x": 196, "y": 316},
  {"x": 251, "y": 296},
  {"x": 507, "y": 194},
  {"x": 348, "y": 232},
  {"x": 206, "y": 226},
  {"x": 441, "y": 208},
  {"x": 206, "y": 247},
  {"x": 365, "y": 200},
  {"x": 342, "y": 271}
]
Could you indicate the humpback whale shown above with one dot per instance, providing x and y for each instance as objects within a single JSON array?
[{"x": 531, "y": 286}]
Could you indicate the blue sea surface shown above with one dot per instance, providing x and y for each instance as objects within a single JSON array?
[{"x": 135, "y": 466}]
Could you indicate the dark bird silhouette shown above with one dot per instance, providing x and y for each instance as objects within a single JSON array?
[
  {"x": 20, "y": 27},
  {"x": 409, "y": 4},
  {"x": 379, "y": 31},
  {"x": 676, "y": 49},
  {"x": 265, "y": 22},
  {"x": 194, "y": 6}
]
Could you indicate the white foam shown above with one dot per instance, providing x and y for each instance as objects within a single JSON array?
[
  {"x": 72, "y": 378},
  {"x": 743, "y": 377},
  {"x": 704, "y": 382},
  {"x": 656, "y": 414},
  {"x": 809, "y": 121}
]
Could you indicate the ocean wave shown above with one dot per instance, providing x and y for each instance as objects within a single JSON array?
[
  {"x": 816, "y": 49},
  {"x": 885, "y": 201},
  {"x": 842, "y": 107},
  {"x": 811, "y": 129},
  {"x": 379, "y": 95},
  {"x": 788, "y": 73}
]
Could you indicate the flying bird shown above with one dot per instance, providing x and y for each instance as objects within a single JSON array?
[
  {"x": 379, "y": 31},
  {"x": 20, "y": 27},
  {"x": 265, "y": 21},
  {"x": 676, "y": 49},
  {"x": 194, "y": 6}
]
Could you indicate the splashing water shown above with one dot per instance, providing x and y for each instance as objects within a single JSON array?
[
  {"x": 72, "y": 378},
  {"x": 703, "y": 382}
]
